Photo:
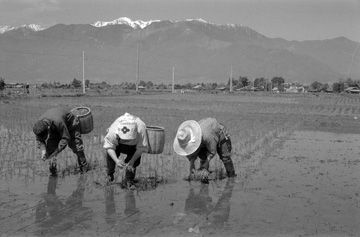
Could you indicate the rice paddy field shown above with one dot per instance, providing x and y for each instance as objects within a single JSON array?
[{"x": 297, "y": 157}]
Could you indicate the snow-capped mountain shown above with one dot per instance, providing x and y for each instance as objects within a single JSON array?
[
  {"x": 125, "y": 21},
  {"x": 33, "y": 27},
  {"x": 135, "y": 24},
  {"x": 4, "y": 29}
]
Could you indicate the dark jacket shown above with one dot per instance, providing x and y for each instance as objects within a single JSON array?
[{"x": 59, "y": 122}]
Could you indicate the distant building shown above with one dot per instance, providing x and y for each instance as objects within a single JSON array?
[
  {"x": 198, "y": 87},
  {"x": 221, "y": 88},
  {"x": 141, "y": 88},
  {"x": 13, "y": 85},
  {"x": 295, "y": 89},
  {"x": 352, "y": 90}
]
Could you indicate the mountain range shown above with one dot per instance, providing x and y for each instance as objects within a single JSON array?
[{"x": 199, "y": 51}]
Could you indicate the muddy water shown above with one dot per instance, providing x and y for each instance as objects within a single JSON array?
[{"x": 309, "y": 186}]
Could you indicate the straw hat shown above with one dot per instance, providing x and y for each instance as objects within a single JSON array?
[
  {"x": 188, "y": 138},
  {"x": 127, "y": 130}
]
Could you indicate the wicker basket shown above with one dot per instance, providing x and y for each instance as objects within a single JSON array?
[
  {"x": 156, "y": 139},
  {"x": 86, "y": 119}
]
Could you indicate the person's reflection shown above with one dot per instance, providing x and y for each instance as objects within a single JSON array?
[
  {"x": 221, "y": 212},
  {"x": 50, "y": 205},
  {"x": 130, "y": 204},
  {"x": 110, "y": 207},
  {"x": 201, "y": 204},
  {"x": 56, "y": 216}
]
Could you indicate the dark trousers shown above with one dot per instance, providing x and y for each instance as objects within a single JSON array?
[
  {"x": 121, "y": 149},
  {"x": 223, "y": 149}
]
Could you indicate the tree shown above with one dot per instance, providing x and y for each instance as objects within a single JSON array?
[
  {"x": 76, "y": 83},
  {"x": 338, "y": 87},
  {"x": 316, "y": 86},
  {"x": 244, "y": 81},
  {"x": 188, "y": 85},
  {"x": 131, "y": 86},
  {"x": 214, "y": 85},
  {"x": 46, "y": 85},
  {"x": 260, "y": 83},
  {"x": 87, "y": 83},
  {"x": 149, "y": 85},
  {"x": 142, "y": 83},
  {"x": 351, "y": 83},
  {"x": 277, "y": 81},
  {"x": 325, "y": 87},
  {"x": 162, "y": 86},
  {"x": 2, "y": 83}
]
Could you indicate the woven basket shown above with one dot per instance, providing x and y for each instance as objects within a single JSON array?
[
  {"x": 156, "y": 139},
  {"x": 86, "y": 119}
]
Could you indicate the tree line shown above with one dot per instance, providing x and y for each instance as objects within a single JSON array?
[{"x": 261, "y": 84}]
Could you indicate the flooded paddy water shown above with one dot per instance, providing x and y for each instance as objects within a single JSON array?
[{"x": 298, "y": 175}]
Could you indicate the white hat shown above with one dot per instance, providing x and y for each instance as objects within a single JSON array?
[
  {"x": 127, "y": 130},
  {"x": 188, "y": 138}
]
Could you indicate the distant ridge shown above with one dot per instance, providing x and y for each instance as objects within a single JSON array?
[{"x": 201, "y": 52}]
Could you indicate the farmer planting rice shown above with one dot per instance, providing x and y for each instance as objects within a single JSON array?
[
  {"x": 54, "y": 130},
  {"x": 204, "y": 139},
  {"x": 126, "y": 135}
]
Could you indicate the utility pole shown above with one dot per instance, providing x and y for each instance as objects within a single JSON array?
[
  {"x": 83, "y": 70},
  {"x": 138, "y": 67},
  {"x": 231, "y": 78},
  {"x": 173, "y": 80}
]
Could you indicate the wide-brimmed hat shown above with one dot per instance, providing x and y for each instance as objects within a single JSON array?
[
  {"x": 127, "y": 130},
  {"x": 188, "y": 138}
]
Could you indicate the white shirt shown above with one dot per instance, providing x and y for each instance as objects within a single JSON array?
[{"x": 112, "y": 140}]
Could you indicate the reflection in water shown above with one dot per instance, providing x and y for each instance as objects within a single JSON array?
[
  {"x": 130, "y": 204},
  {"x": 110, "y": 207},
  {"x": 201, "y": 204},
  {"x": 54, "y": 216},
  {"x": 221, "y": 211}
]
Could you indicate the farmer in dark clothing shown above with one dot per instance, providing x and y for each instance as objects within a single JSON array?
[
  {"x": 204, "y": 139},
  {"x": 55, "y": 129}
]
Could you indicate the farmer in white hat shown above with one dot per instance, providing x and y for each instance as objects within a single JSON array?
[
  {"x": 126, "y": 135},
  {"x": 204, "y": 139},
  {"x": 56, "y": 129}
]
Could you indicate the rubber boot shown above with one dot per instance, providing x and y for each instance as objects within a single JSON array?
[
  {"x": 229, "y": 167},
  {"x": 53, "y": 168},
  {"x": 84, "y": 166},
  {"x": 129, "y": 179},
  {"x": 110, "y": 178}
]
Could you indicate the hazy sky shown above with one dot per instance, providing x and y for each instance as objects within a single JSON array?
[{"x": 289, "y": 19}]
